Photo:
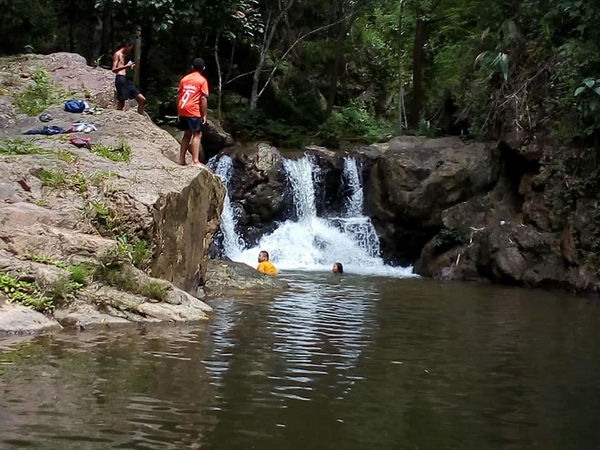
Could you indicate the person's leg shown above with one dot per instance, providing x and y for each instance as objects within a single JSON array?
[
  {"x": 185, "y": 142},
  {"x": 122, "y": 91},
  {"x": 196, "y": 148},
  {"x": 141, "y": 101}
]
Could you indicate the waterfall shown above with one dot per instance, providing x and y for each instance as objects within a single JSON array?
[
  {"x": 314, "y": 243},
  {"x": 355, "y": 202},
  {"x": 354, "y": 222},
  {"x": 233, "y": 245},
  {"x": 302, "y": 174}
]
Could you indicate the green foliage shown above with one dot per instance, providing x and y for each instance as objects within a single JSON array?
[
  {"x": 26, "y": 25},
  {"x": 115, "y": 269},
  {"x": 257, "y": 126},
  {"x": 588, "y": 105},
  {"x": 64, "y": 289},
  {"x": 141, "y": 253},
  {"x": 80, "y": 273},
  {"x": 45, "y": 260},
  {"x": 52, "y": 178},
  {"x": 446, "y": 239},
  {"x": 103, "y": 217},
  {"x": 120, "y": 153},
  {"x": 16, "y": 146},
  {"x": 154, "y": 290},
  {"x": 67, "y": 156},
  {"x": 39, "y": 94},
  {"x": 97, "y": 178},
  {"x": 355, "y": 122},
  {"x": 26, "y": 293},
  {"x": 59, "y": 179},
  {"x": 137, "y": 252}
]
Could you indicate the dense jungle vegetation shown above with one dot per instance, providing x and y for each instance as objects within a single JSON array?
[{"x": 296, "y": 71}]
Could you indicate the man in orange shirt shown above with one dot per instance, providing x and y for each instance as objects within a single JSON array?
[{"x": 192, "y": 105}]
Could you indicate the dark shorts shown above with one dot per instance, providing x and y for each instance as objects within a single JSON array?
[
  {"x": 190, "y": 123},
  {"x": 126, "y": 90}
]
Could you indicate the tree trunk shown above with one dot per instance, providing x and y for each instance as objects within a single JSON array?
[
  {"x": 71, "y": 19},
  {"x": 219, "y": 78},
  {"x": 256, "y": 79},
  {"x": 418, "y": 63},
  {"x": 105, "y": 50},
  {"x": 146, "y": 38},
  {"x": 402, "y": 124},
  {"x": 336, "y": 69},
  {"x": 137, "y": 55}
]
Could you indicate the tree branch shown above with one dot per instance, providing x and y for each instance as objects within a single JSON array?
[{"x": 296, "y": 42}]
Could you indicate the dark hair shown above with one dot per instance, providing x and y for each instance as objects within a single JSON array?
[
  {"x": 265, "y": 252},
  {"x": 128, "y": 42},
  {"x": 198, "y": 64},
  {"x": 339, "y": 267}
]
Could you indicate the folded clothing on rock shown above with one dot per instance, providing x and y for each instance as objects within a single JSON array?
[
  {"x": 81, "y": 127},
  {"x": 48, "y": 130},
  {"x": 80, "y": 142}
]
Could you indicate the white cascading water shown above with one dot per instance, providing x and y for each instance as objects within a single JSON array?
[
  {"x": 354, "y": 222},
  {"x": 233, "y": 245},
  {"x": 315, "y": 243},
  {"x": 355, "y": 201}
]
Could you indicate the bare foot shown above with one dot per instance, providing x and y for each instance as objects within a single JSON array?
[
  {"x": 198, "y": 164},
  {"x": 183, "y": 163}
]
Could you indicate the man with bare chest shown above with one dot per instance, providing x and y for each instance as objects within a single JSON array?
[{"x": 126, "y": 90}]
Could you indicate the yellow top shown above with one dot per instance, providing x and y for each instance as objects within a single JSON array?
[{"x": 267, "y": 267}]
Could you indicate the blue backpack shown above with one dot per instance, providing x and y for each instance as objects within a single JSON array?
[{"x": 74, "y": 106}]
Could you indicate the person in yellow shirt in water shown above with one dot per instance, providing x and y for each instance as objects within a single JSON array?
[{"x": 264, "y": 265}]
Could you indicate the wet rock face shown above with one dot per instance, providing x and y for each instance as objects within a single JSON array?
[
  {"x": 415, "y": 179},
  {"x": 258, "y": 190},
  {"x": 261, "y": 190},
  {"x": 495, "y": 237}
]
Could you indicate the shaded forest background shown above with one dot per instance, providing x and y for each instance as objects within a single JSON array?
[{"x": 295, "y": 71}]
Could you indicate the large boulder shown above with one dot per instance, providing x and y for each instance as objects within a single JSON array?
[
  {"x": 70, "y": 73},
  {"x": 15, "y": 318},
  {"x": 494, "y": 237},
  {"x": 226, "y": 277},
  {"x": 214, "y": 138},
  {"x": 62, "y": 205},
  {"x": 257, "y": 188},
  {"x": 415, "y": 179}
]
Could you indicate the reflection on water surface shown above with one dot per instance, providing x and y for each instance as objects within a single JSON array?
[{"x": 360, "y": 362}]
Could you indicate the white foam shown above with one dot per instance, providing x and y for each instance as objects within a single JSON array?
[{"x": 313, "y": 243}]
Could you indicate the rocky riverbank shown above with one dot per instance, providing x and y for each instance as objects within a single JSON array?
[
  {"x": 113, "y": 234},
  {"x": 476, "y": 211},
  {"x": 119, "y": 232}
]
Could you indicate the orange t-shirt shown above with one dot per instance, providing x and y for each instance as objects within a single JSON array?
[{"x": 191, "y": 88}]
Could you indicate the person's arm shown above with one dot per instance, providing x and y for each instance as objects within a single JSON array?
[
  {"x": 203, "y": 108},
  {"x": 115, "y": 64}
]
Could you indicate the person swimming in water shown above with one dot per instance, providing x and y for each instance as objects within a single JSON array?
[
  {"x": 264, "y": 265},
  {"x": 337, "y": 268}
]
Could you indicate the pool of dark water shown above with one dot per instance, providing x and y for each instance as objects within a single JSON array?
[{"x": 351, "y": 363}]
